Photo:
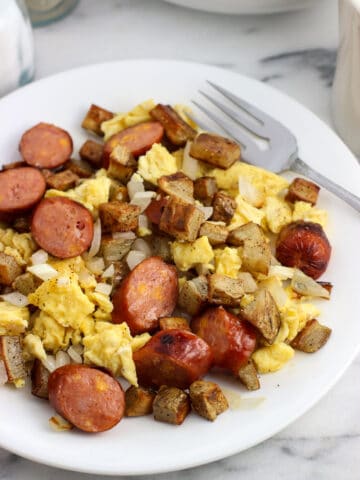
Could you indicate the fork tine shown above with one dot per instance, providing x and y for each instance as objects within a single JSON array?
[{"x": 253, "y": 125}]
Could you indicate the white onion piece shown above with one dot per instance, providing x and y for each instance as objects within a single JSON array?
[
  {"x": 204, "y": 268},
  {"x": 3, "y": 373},
  {"x": 78, "y": 348},
  {"x": 283, "y": 273},
  {"x": 250, "y": 193},
  {"x": 96, "y": 265},
  {"x": 124, "y": 235},
  {"x": 134, "y": 258},
  {"x": 61, "y": 281},
  {"x": 96, "y": 241},
  {"x": 142, "y": 200},
  {"x": 190, "y": 165},
  {"x": 103, "y": 288},
  {"x": 74, "y": 355},
  {"x": 39, "y": 257},
  {"x": 49, "y": 363},
  {"x": 207, "y": 211},
  {"x": 134, "y": 186},
  {"x": 307, "y": 286},
  {"x": 85, "y": 277},
  {"x": 43, "y": 271},
  {"x": 15, "y": 298},
  {"x": 109, "y": 272},
  {"x": 143, "y": 221},
  {"x": 61, "y": 359},
  {"x": 141, "y": 245}
]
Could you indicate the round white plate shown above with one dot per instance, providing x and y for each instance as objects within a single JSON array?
[
  {"x": 244, "y": 6},
  {"x": 141, "y": 445}
]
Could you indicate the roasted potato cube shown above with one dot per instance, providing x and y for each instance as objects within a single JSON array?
[
  {"x": 119, "y": 216},
  {"x": 160, "y": 246},
  {"x": 181, "y": 221},
  {"x": 256, "y": 255},
  {"x": 224, "y": 290},
  {"x": 173, "y": 322},
  {"x": 94, "y": 118},
  {"x": 9, "y": 269},
  {"x": 80, "y": 168},
  {"x": 11, "y": 354},
  {"x": 216, "y": 150},
  {"x": 21, "y": 224},
  {"x": 263, "y": 313},
  {"x": 118, "y": 192},
  {"x": 205, "y": 189},
  {"x": 26, "y": 283},
  {"x": 171, "y": 405},
  {"x": 224, "y": 208},
  {"x": 248, "y": 376},
  {"x": 121, "y": 164},
  {"x": 207, "y": 399},
  {"x": 114, "y": 249},
  {"x": 39, "y": 380},
  {"x": 302, "y": 190},
  {"x": 10, "y": 166},
  {"x": 193, "y": 295},
  {"x": 138, "y": 401},
  {"x": 63, "y": 180},
  {"x": 178, "y": 186},
  {"x": 217, "y": 233},
  {"x": 92, "y": 152},
  {"x": 312, "y": 337},
  {"x": 247, "y": 281},
  {"x": 178, "y": 131},
  {"x": 121, "y": 269}
]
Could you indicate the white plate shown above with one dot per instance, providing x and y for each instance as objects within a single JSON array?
[
  {"x": 244, "y": 6},
  {"x": 139, "y": 446}
]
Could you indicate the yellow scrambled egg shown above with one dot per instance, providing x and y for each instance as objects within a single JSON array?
[
  {"x": 157, "y": 162},
  {"x": 228, "y": 261},
  {"x": 272, "y": 358},
  {"x": 245, "y": 213},
  {"x": 33, "y": 347},
  {"x": 20, "y": 245},
  {"x": 187, "y": 255},
  {"x": 304, "y": 211},
  {"x": 277, "y": 213},
  {"x": 13, "y": 320}
]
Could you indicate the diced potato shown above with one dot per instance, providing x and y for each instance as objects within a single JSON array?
[
  {"x": 118, "y": 192},
  {"x": 80, "y": 168},
  {"x": 176, "y": 129},
  {"x": 302, "y": 190},
  {"x": 119, "y": 216},
  {"x": 248, "y": 376},
  {"x": 207, "y": 399},
  {"x": 312, "y": 337},
  {"x": 171, "y": 405},
  {"x": 62, "y": 180},
  {"x": 39, "y": 380},
  {"x": 224, "y": 290},
  {"x": 193, "y": 295},
  {"x": 138, "y": 401},
  {"x": 26, "y": 283},
  {"x": 205, "y": 189},
  {"x": 94, "y": 118},
  {"x": 173, "y": 322},
  {"x": 247, "y": 282},
  {"x": 181, "y": 221},
  {"x": 9, "y": 269},
  {"x": 224, "y": 208},
  {"x": 122, "y": 164},
  {"x": 178, "y": 186},
  {"x": 160, "y": 245},
  {"x": 217, "y": 233},
  {"x": 11, "y": 354},
  {"x": 92, "y": 152},
  {"x": 216, "y": 150},
  {"x": 114, "y": 249}
]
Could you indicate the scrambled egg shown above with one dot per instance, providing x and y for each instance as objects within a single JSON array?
[
  {"x": 304, "y": 211},
  {"x": 228, "y": 261},
  {"x": 20, "y": 245},
  {"x": 294, "y": 316},
  {"x": 187, "y": 255},
  {"x": 245, "y": 213},
  {"x": 277, "y": 213},
  {"x": 91, "y": 192},
  {"x": 13, "y": 320},
  {"x": 33, "y": 347},
  {"x": 156, "y": 163},
  {"x": 138, "y": 114},
  {"x": 111, "y": 346},
  {"x": 272, "y": 358}
]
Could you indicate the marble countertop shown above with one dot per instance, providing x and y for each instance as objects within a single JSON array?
[{"x": 293, "y": 52}]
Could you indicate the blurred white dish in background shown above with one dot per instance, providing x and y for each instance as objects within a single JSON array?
[{"x": 244, "y": 6}]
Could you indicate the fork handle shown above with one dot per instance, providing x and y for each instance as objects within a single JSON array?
[{"x": 303, "y": 168}]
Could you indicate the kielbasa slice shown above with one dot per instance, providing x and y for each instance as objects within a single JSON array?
[
  {"x": 62, "y": 227},
  {"x": 46, "y": 146},
  {"x": 172, "y": 357},
  {"x": 88, "y": 398},
  {"x": 138, "y": 139},
  {"x": 232, "y": 340},
  {"x": 20, "y": 189},
  {"x": 149, "y": 291}
]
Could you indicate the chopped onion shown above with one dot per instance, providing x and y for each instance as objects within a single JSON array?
[
  {"x": 85, "y": 277},
  {"x": 207, "y": 211},
  {"x": 134, "y": 258},
  {"x": 59, "y": 424},
  {"x": 283, "y": 273},
  {"x": 39, "y": 257},
  {"x": 49, "y": 363},
  {"x": 250, "y": 193},
  {"x": 190, "y": 165},
  {"x": 274, "y": 286},
  {"x": 307, "y": 286},
  {"x": 96, "y": 265},
  {"x": 142, "y": 200},
  {"x": 43, "y": 271},
  {"x": 109, "y": 272},
  {"x": 124, "y": 235},
  {"x": 96, "y": 241},
  {"x": 61, "y": 359},
  {"x": 134, "y": 186},
  {"x": 204, "y": 268},
  {"x": 143, "y": 221},
  {"x": 15, "y": 298},
  {"x": 63, "y": 281},
  {"x": 103, "y": 288},
  {"x": 74, "y": 354},
  {"x": 142, "y": 246},
  {"x": 3, "y": 373}
]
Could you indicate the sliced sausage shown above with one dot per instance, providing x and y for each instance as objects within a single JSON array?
[
  {"x": 46, "y": 146},
  {"x": 156, "y": 208},
  {"x": 232, "y": 341},
  {"x": 138, "y": 139},
  {"x": 172, "y": 357},
  {"x": 149, "y": 292},
  {"x": 88, "y": 398},
  {"x": 20, "y": 189},
  {"x": 62, "y": 227}
]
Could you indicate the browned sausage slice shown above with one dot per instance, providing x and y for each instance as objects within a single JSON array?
[
  {"x": 138, "y": 139},
  {"x": 20, "y": 189},
  {"x": 173, "y": 357},
  {"x": 46, "y": 146},
  {"x": 149, "y": 292},
  {"x": 62, "y": 227},
  {"x": 88, "y": 398}
]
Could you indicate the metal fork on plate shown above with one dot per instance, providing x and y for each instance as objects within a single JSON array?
[{"x": 282, "y": 151}]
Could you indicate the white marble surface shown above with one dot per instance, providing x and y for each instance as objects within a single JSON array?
[{"x": 293, "y": 52}]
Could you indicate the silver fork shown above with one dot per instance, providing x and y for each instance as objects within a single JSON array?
[{"x": 282, "y": 151}]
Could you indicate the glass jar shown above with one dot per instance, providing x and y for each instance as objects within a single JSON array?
[
  {"x": 43, "y": 12},
  {"x": 16, "y": 46}
]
